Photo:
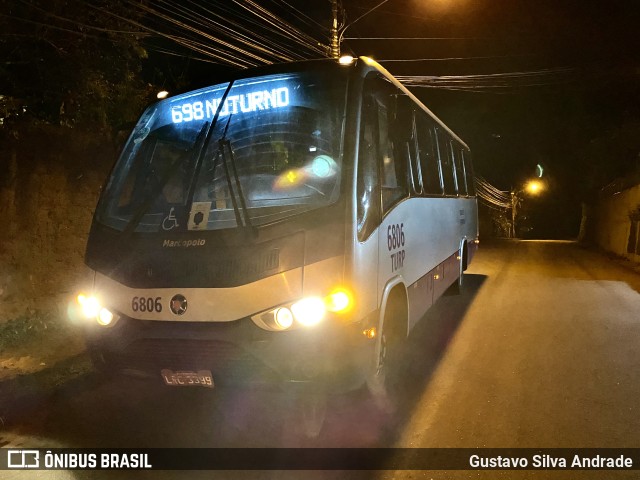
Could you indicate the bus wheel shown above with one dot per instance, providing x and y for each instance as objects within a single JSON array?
[
  {"x": 456, "y": 287},
  {"x": 384, "y": 374},
  {"x": 377, "y": 381}
]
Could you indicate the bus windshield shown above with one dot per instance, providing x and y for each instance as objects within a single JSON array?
[{"x": 267, "y": 145}]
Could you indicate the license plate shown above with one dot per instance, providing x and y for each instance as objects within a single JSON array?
[{"x": 201, "y": 378}]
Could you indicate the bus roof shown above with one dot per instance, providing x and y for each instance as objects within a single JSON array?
[
  {"x": 371, "y": 62},
  {"x": 330, "y": 63}
]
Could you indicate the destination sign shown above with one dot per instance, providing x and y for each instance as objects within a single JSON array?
[{"x": 248, "y": 102}]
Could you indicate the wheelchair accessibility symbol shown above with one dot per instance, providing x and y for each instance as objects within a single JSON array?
[{"x": 170, "y": 222}]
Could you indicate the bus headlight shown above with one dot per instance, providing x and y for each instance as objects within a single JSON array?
[
  {"x": 283, "y": 317},
  {"x": 90, "y": 306},
  {"x": 309, "y": 311},
  {"x": 91, "y": 309},
  {"x": 105, "y": 317},
  {"x": 306, "y": 312}
]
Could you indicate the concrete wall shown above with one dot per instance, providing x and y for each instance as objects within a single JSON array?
[{"x": 612, "y": 222}]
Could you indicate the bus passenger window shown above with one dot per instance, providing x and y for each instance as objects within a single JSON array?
[
  {"x": 460, "y": 178},
  {"x": 394, "y": 173},
  {"x": 413, "y": 151},
  {"x": 468, "y": 172},
  {"x": 430, "y": 165},
  {"x": 444, "y": 149},
  {"x": 368, "y": 192}
]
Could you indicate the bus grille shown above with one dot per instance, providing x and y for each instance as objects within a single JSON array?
[{"x": 228, "y": 362}]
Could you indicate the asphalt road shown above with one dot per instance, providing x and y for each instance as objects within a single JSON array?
[{"x": 540, "y": 351}]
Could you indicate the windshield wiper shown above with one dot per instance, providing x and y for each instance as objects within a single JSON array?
[
  {"x": 224, "y": 147},
  {"x": 206, "y": 128},
  {"x": 142, "y": 209}
]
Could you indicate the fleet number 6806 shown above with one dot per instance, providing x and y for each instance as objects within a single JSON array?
[{"x": 146, "y": 304}]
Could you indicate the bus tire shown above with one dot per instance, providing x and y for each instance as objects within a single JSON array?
[
  {"x": 456, "y": 287},
  {"x": 384, "y": 376}
]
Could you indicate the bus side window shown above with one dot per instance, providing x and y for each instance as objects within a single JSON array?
[
  {"x": 459, "y": 169},
  {"x": 444, "y": 150},
  {"x": 413, "y": 150},
  {"x": 429, "y": 163},
  {"x": 368, "y": 191},
  {"x": 468, "y": 172},
  {"x": 403, "y": 134},
  {"x": 394, "y": 170}
]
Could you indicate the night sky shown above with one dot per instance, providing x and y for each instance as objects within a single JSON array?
[
  {"x": 526, "y": 82},
  {"x": 582, "y": 124},
  {"x": 565, "y": 120}
]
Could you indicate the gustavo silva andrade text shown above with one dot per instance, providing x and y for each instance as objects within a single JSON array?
[{"x": 549, "y": 462}]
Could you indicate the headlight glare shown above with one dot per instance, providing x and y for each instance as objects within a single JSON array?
[
  {"x": 90, "y": 306},
  {"x": 309, "y": 311}
]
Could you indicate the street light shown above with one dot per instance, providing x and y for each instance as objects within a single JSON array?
[{"x": 532, "y": 187}]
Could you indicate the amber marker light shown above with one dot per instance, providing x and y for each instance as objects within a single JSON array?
[
  {"x": 339, "y": 301},
  {"x": 370, "y": 333}
]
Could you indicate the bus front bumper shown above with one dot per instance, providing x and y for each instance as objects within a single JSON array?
[{"x": 335, "y": 356}]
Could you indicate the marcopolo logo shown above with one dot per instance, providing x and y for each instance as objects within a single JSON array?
[
  {"x": 23, "y": 459},
  {"x": 178, "y": 304},
  {"x": 196, "y": 242}
]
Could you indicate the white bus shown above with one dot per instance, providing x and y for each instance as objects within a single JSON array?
[{"x": 291, "y": 226}]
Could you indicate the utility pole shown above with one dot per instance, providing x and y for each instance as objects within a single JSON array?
[
  {"x": 335, "y": 43},
  {"x": 514, "y": 206},
  {"x": 336, "y": 37}
]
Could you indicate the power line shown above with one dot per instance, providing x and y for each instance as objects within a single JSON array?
[
  {"x": 454, "y": 58},
  {"x": 416, "y": 38},
  {"x": 492, "y": 82}
]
